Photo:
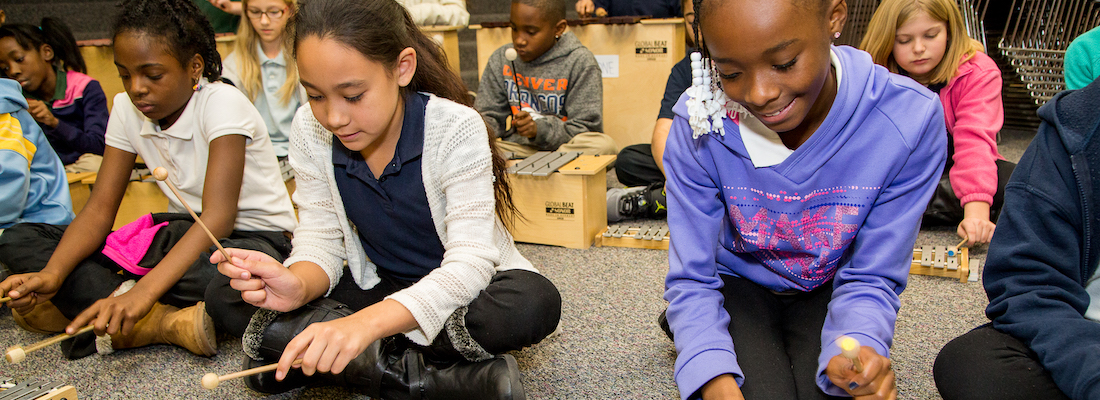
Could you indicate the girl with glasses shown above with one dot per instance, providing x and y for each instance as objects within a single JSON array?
[{"x": 260, "y": 67}]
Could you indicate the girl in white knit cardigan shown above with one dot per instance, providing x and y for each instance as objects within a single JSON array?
[{"x": 414, "y": 198}]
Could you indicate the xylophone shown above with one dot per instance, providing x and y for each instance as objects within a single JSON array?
[
  {"x": 945, "y": 261},
  {"x": 950, "y": 262},
  {"x": 36, "y": 389},
  {"x": 562, "y": 197},
  {"x": 649, "y": 235}
]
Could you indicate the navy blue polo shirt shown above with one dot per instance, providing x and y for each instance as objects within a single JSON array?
[{"x": 392, "y": 213}]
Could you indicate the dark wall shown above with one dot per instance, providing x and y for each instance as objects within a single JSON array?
[{"x": 89, "y": 19}]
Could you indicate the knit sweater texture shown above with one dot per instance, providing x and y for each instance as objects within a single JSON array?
[{"x": 458, "y": 179}]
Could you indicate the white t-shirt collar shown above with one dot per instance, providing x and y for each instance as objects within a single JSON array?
[{"x": 764, "y": 146}]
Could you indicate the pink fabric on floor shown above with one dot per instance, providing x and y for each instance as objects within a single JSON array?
[{"x": 128, "y": 245}]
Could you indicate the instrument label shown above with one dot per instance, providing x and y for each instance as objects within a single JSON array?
[
  {"x": 560, "y": 210},
  {"x": 651, "y": 49}
]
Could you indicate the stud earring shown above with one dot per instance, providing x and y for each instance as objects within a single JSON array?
[
  {"x": 197, "y": 86},
  {"x": 836, "y": 35}
]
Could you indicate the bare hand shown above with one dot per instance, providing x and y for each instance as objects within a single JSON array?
[
  {"x": 722, "y": 387},
  {"x": 263, "y": 281},
  {"x": 525, "y": 125},
  {"x": 875, "y": 383},
  {"x": 976, "y": 230},
  {"x": 975, "y": 226},
  {"x": 585, "y": 8},
  {"x": 326, "y": 346},
  {"x": 41, "y": 113},
  {"x": 232, "y": 7},
  {"x": 28, "y": 290},
  {"x": 113, "y": 315}
]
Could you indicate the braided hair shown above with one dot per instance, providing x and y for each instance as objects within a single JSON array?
[
  {"x": 51, "y": 32},
  {"x": 700, "y": 11},
  {"x": 698, "y": 6},
  {"x": 180, "y": 23}
]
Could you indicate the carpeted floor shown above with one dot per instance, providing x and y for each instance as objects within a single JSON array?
[{"x": 609, "y": 346}]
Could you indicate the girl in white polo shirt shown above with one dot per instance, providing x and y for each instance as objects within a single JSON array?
[
  {"x": 146, "y": 283},
  {"x": 405, "y": 281}
]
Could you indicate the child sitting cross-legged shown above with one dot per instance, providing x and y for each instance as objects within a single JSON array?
[{"x": 552, "y": 92}]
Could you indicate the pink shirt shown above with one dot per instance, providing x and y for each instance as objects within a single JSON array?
[{"x": 974, "y": 114}]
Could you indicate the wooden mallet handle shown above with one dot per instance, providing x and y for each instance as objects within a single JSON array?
[
  {"x": 161, "y": 174},
  {"x": 211, "y": 380},
  {"x": 961, "y": 243},
  {"x": 17, "y": 354},
  {"x": 5, "y": 300},
  {"x": 849, "y": 348}
]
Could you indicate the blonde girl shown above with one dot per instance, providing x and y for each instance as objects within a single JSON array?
[
  {"x": 260, "y": 66},
  {"x": 926, "y": 40}
]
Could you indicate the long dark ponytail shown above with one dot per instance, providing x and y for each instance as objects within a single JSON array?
[
  {"x": 380, "y": 30},
  {"x": 53, "y": 32}
]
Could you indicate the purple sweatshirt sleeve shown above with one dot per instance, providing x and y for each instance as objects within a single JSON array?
[
  {"x": 89, "y": 137},
  {"x": 866, "y": 287},
  {"x": 693, "y": 288}
]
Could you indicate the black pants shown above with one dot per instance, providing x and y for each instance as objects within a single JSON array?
[
  {"x": 944, "y": 208},
  {"x": 634, "y": 166},
  {"x": 518, "y": 309},
  {"x": 26, "y": 248},
  {"x": 777, "y": 338},
  {"x": 989, "y": 364}
]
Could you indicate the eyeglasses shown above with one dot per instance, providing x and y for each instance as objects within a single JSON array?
[{"x": 273, "y": 14}]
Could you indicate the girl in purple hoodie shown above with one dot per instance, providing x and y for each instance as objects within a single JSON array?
[{"x": 797, "y": 175}]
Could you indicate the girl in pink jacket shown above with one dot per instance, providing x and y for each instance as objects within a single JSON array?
[{"x": 927, "y": 41}]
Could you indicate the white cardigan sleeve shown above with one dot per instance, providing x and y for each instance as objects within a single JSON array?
[
  {"x": 437, "y": 12},
  {"x": 319, "y": 237},
  {"x": 458, "y": 181}
]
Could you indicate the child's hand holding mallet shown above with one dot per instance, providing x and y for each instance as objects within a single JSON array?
[{"x": 862, "y": 372}]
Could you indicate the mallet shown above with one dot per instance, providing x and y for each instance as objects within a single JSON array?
[
  {"x": 16, "y": 354},
  {"x": 211, "y": 380},
  {"x": 955, "y": 250},
  {"x": 511, "y": 55},
  {"x": 161, "y": 174},
  {"x": 849, "y": 348}
]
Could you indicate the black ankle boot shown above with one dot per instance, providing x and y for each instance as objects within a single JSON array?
[
  {"x": 268, "y": 334},
  {"x": 389, "y": 368}
]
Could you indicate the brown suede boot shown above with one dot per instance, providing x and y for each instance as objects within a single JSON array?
[
  {"x": 44, "y": 318},
  {"x": 190, "y": 328}
]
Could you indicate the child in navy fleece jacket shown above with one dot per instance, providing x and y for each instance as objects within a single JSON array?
[
  {"x": 1041, "y": 274},
  {"x": 68, "y": 105}
]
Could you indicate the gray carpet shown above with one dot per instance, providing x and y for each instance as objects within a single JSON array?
[{"x": 609, "y": 346}]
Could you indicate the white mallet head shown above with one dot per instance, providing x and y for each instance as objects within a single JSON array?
[
  {"x": 511, "y": 54},
  {"x": 160, "y": 173},
  {"x": 16, "y": 355},
  {"x": 210, "y": 381},
  {"x": 849, "y": 347}
]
